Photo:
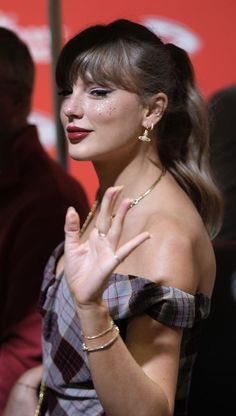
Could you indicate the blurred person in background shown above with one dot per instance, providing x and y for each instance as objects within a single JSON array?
[
  {"x": 223, "y": 154},
  {"x": 214, "y": 373},
  {"x": 35, "y": 193}
]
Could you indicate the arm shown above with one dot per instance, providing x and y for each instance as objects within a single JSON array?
[
  {"x": 23, "y": 398},
  {"x": 138, "y": 378}
]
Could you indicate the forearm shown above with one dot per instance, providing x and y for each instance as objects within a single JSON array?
[
  {"x": 121, "y": 384},
  {"x": 24, "y": 395},
  {"x": 32, "y": 377}
]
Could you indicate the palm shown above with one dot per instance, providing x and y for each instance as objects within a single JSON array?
[{"x": 88, "y": 265}]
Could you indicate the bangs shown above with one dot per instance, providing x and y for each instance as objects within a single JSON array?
[
  {"x": 106, "y": 65},
  {"x": 112, "y": 56}
]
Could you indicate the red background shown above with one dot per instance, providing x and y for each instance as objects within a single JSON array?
[{"x": 212, "y": 22}]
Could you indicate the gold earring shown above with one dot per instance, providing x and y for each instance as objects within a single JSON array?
[{"x": 144, "y": 137}]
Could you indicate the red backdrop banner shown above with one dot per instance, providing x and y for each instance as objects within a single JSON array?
[{"x": 205, "y": 29}]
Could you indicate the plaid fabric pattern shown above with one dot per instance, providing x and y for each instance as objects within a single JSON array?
[{"x": 66, "y": 371}]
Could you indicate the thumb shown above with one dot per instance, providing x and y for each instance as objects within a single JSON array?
[{"x": 72, "y": 225}]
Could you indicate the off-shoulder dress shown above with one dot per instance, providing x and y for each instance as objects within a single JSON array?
[{"x": 70, "y": 391}]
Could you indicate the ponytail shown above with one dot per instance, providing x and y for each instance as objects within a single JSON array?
[{"x": 183, "y": 142}]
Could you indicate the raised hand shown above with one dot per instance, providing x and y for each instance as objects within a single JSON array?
[{"x": 88, "y": 265}]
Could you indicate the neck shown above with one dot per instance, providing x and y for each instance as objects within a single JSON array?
[{"x": 135, "y": 171}]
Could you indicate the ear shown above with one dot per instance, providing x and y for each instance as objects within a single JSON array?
[{"x": 155, "y": 109}]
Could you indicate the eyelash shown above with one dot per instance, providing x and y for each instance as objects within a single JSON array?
[
  {"x": 100, "y": 92},
  {"x": 95, "y": 92}
]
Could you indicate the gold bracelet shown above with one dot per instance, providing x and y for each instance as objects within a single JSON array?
[
  {"x": 104, "y": 346},
  {"x": 101, "y": 333},
  {"x": 26, "y": 385}
]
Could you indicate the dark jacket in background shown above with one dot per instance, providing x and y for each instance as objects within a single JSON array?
[{"x": 35, "y": 192}]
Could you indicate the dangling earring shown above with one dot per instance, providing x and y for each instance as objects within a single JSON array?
[{"x": 144, "y": 137}]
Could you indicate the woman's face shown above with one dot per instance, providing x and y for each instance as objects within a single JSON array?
[{"x": 99, "y": 120}]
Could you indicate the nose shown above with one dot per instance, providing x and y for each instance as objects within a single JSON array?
[{"x": 72, "y": 107}]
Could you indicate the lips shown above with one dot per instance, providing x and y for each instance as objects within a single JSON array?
[{"x": 76, "y": 134}]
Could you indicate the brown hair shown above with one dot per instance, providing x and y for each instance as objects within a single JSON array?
[{"x": 132, "y": 57}]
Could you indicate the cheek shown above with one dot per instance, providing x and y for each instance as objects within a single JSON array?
[
  {"x": 125, "y": 111},
  {"x": 102, "y": 111}
]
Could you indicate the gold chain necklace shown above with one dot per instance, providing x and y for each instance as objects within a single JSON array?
[
  {"x": 89, "y": 217},
  {"x": 147, "y": 192},
  {"x": 134, "y": 202},
  {"x": 87, "y": 221}
]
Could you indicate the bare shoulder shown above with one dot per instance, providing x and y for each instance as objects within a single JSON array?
[{"x": 179, "y": 252}]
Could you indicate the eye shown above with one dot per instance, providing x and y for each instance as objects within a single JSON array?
[{"x": 100, "y": 92}]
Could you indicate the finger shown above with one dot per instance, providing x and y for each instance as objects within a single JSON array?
[
  {"x": 72, "y": 225},
  {"x": 130, "y": 246},
  {"x": 117, "y": 223},
  {"x": 103, "y": 222}
]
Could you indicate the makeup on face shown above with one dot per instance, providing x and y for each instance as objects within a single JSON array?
[
  {"x": 75, "y": 133},
  {"x": 100, "y": 120}
]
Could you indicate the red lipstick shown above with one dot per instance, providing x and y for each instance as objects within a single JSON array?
[{"x": 76, "y": 134}]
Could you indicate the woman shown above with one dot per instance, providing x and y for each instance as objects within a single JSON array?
[{"x": 143, "y": 259}]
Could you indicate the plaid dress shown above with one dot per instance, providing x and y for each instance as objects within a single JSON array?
[{"x": 70, "y": 390}]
